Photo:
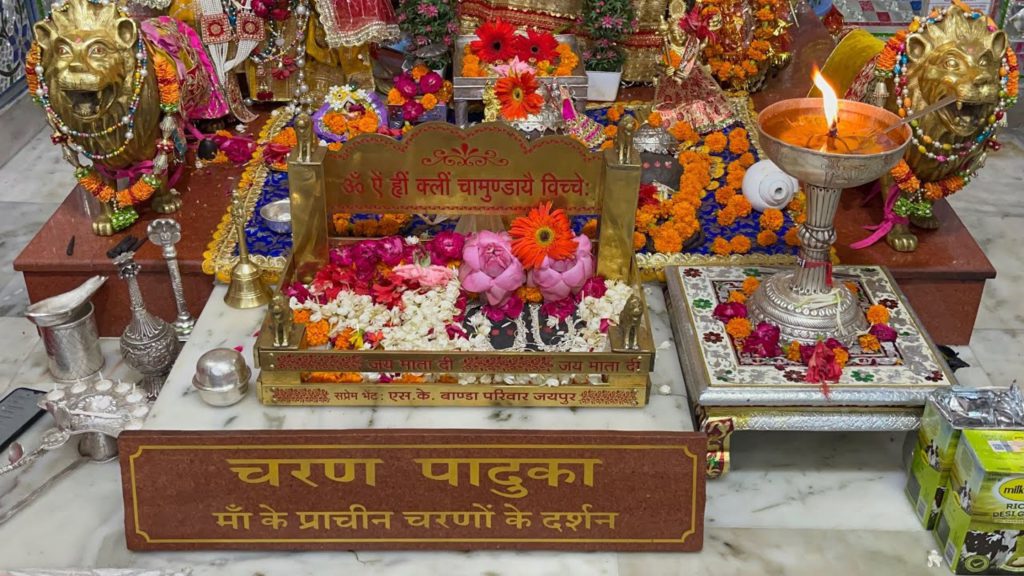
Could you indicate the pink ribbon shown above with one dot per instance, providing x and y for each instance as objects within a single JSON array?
[
  {"x": 889, "y": 219},
  {"x": 137, "y": 171}
]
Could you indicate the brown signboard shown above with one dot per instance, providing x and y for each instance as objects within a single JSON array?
[{"x": 413, "y": 489}]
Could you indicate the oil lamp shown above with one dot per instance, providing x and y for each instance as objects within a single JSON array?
[{"x": 828, "y": 145}]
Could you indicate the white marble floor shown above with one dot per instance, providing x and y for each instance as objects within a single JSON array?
[{"x": 793, "y": 504}]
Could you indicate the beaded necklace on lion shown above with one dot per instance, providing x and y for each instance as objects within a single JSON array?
[{"x": 892, "y": 63}]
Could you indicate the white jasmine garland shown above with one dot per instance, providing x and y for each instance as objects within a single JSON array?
[{"x": 421, "y": 324}]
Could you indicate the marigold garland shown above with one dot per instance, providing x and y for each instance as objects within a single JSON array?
[{"x": 167, "y": 81}]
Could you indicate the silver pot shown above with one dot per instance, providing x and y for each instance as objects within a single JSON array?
[{"x": 222, "y": 377}]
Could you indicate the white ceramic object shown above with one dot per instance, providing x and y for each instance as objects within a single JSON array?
[
  {"x": 603, "y": 86},
  {"x": 766, "y": 186}
]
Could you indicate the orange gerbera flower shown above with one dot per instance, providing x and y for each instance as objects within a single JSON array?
[
  {"x": 542, "y": 233},
  {"x": 518, "y": 96}
]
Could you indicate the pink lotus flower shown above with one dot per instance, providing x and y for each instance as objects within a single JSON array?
[
  {"x": 446, "y": 246},
  {"x": 763, "y": 342},
  {"x": 489, "y": 267},
  {"x": 557, "y": 279},
  {"x": 406, "y": 86},
  {"x": 431, "y": 82},
  {"x": 883, "y": 332},
  {"x": 428, "y": 276}
]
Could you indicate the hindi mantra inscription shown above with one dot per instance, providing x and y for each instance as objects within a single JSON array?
[{"x": 413, "y": 489}]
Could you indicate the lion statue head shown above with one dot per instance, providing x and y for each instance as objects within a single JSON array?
[
  {"x": 957, "y": 55},
  {"x": 88, "y": 56}
]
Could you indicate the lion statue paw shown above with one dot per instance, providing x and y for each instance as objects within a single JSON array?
[
  {"x": 103, "y": 225},
  {"x": 167, "y": 202},
  {"x": 901, "y": 239}
]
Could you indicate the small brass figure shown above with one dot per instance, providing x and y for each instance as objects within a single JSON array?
[
  {"x": 624, "y": 140},
  {"x": 629, "y": 322},
  {"x": 304, "y": 137},
  {"x": 280, "y": 320}
]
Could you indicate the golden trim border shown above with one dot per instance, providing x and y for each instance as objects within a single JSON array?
[
  {"x": 685, "y": 449},
  {"x": 219, "y": 258}
]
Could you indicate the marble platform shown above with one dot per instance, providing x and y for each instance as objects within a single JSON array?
[{"x": 794, "y": 504}]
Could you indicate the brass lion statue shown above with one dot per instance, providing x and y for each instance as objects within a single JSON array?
[
  {"x": 119, "y": 93},
  {"x": 959, "y": 55}
]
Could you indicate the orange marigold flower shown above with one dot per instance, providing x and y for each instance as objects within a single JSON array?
[
  {"x": 869, "y": 343},
  {"x": 285, "y": 137},
  {"x": 739, "y": 141},
  {"x": 740, "y": 244},
  {"x": 615, "y": 113},
  {"x": 667, "y": 240},
  {"x": 932, "y": 191},
  {"x": 611, "y": 130},
  {"x": 316, "y": 333},
  {"x": 428, "y": 101},
  {"x": 746, "y": 160},
  {"x": 723, "y": 194},
  {"x": 336, "y": 122},
  {"x": 771, "y": 219},
  {"x": 395, "y": 97},
  {"x": 654, "y": 119},
  {"x": 683, "y": 132},
  {"x": 343, "y": 341},
  {"x": 737, "y": 296},
  {"x": 740, "y": 205},
  {"x": 791, "y": 237},
  {"x": 639, "y": 240},
  {"x": 767, "y": 238},
  {"x": 842, "y": 356},
  {"x": 715, "y": 142},
  {"x": 726, "y": 216},
  {"x": 300, "y": 316},
  {"x": 529, "y": 294},
  {"x": 750, "y": 284},
  {"x": 721, "y": 246},
  {"x": 408, "y": 378},
  {"x": 607, "y": 144},
  {"x": 419, "y": 71},
  {"x": 738, "y": 328},
  {"x": 852, "y": 287},
  {"x": 793, "y": 352},
  {"x": 878, "y": 314}
]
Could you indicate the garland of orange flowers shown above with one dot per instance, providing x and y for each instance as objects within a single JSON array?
[
  {"x": 167, "y": 82},
  {"x": 738, "y": 68}
]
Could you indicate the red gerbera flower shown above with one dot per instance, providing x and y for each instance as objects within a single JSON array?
[
  {"x": 518, "y": 96},
  {"x": 536, "y": 46},
  {"x": 495, "y": 41}
]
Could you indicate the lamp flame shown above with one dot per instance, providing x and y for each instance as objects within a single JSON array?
[{"x": 829, "y": 99}]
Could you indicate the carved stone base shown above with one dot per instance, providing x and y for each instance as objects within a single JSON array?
[{"x": 803, "y": 318}]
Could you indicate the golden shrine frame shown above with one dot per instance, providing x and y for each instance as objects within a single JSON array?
[{"x": 488, "y": 170}]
